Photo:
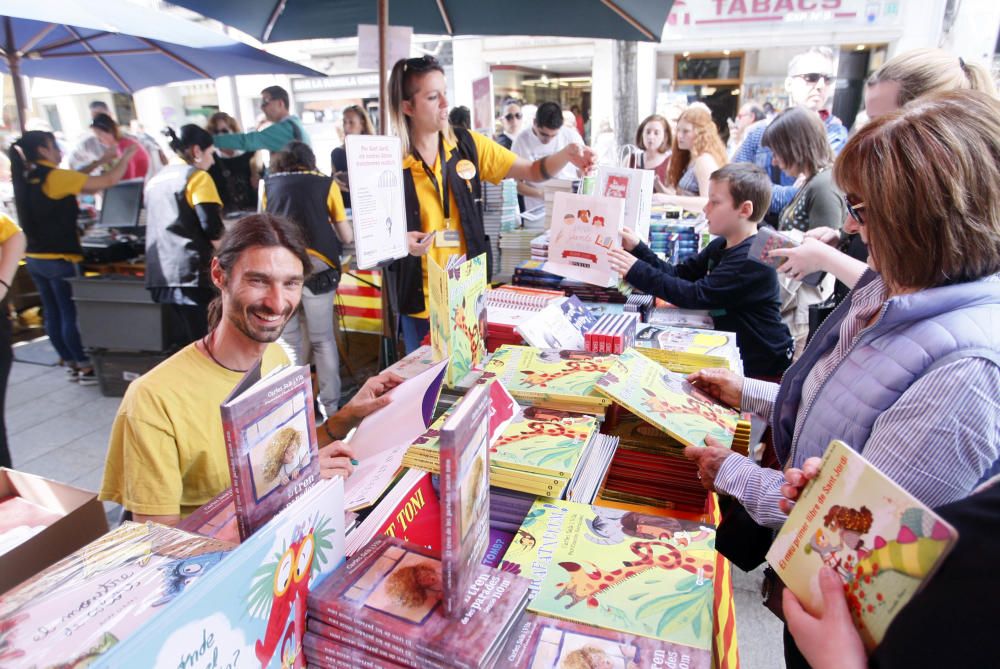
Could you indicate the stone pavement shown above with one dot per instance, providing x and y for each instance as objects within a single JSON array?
[{"x": 59, "y": 430}]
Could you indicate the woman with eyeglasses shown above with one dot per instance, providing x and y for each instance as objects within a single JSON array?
[
  {"x": 510, "y": 120},
  {"x": 654, "y": 138},
  {"x": 442, "y": 169},
  {"x": 356, "y": 122},
  {"x": 236, "y": 173},
  {"x": 906, "y": 369}
]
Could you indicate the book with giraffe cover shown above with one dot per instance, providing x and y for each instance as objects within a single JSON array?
[
  {"x": 621, "y": 570},
  {"x": 666, "y": 400},
  {"x": 881, "y": 541},
  {"x": 457, "y": 310},
  {"x": 551, "y": 378}
]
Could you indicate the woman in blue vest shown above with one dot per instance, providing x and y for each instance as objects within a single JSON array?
[
  {"x": 183, "y": 227},
  {"x": 45, "y": 197},
  {"x": 296, "y": 190},
  {"x": 443, "y": 214},
  {"x": 906, "y": 369}
]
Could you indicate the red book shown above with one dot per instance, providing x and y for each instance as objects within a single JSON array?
[
  {"x": 465, "y": 502},
  {"x": 271, "y": 443},
  {"x": 417, "y": 517}
]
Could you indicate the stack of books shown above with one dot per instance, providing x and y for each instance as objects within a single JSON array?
[
  {"x": 539, "y": 452},
  {"x": 562, "y": 324},
  {"x": 682, "y": 318},
  {"x": 686, "y": 350},
  {"x": 553, "y": 379},
  {"x": 501, "y": 212},
  {"x": 540, "y": 247},
  {"x": 531, "y": 273},
  {"x": 384, "y": 608},
  {"x": 623, "y": 571},
  {"x": 593, "y": 469},
  {"x": 509, "y": 306},
  {"x": 409, "y": 510},
  {"x": 641, "y": 304},
  {"x": 551, "y": 187},
  {"x": 515, "y": 248},
  {"x": 612, "y": 333},
  {"x": 591, "y": 293}
]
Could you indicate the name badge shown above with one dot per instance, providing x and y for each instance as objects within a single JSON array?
[{"x": 447, "y": 239}]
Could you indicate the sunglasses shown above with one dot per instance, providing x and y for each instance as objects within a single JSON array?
[
  {"x": 854, "y": 210},
  {"x": 814, "y": 77},
  {"x": 421, "y": 64},
  {"x": 265, "y": 103},
  {"x": 511, "y": 117}
]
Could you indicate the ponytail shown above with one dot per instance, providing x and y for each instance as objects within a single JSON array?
[
  {"x": 978, "y": 77},
  {"x": 402, "y": 86},
  {"x": 191, "y": 136},
  {"x": 22, "y": 153}
]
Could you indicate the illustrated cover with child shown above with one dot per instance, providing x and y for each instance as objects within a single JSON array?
[
  {"x": 584, "y": 228},
  {"x": 271, "y": 443},
  {"x": 881, "y": 541},
  {"x": 621, "y": 570},
  {"x": 666, "y": 399},
  {"x": 457, "y": 309}
]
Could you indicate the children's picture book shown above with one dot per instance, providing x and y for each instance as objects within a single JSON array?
[
  {"x": 89, "y": 602},
  {"x": 683, "y": 318},
  {"x": 388, "y": 597},
  {"x": 410, "y": 510},
  {"x": 541, "y": 642},
  {"x": 559, "y": 325},
  {"x": 552, "y": 378},
  {"x": 881, "y": 541},
  {"x": 631, "y": 572},
  {"x": 686, "y": 350},
  {"x": 584, "y": 228},
  {"x": 270, "y": 434},
  {"x": 465, "y": 501},
  {"x": 414, "y": 363},
  {"x": 457, "y": 308},
  {"x": 635, "y": 186},
  {"x": 666, "y": 399},
  {"x": 250, "y": 609},
  {"x": 499, "y": 543},
  {"x": 768, "y": 239},
  {"x": 382, "y": 438},
  {"x": 215, "y": 518},
  {"x": 544, "y": 441}
]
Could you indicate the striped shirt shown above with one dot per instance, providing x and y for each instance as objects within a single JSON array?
[{"x": 937, "y": 441}]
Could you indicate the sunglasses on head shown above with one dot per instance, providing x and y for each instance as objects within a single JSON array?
[
  {"x": 421, "y": 64},
  {"x": 512, "y": 116},
  {"x": 815, "y": 77},
  {"x": 854, "y": 209}
]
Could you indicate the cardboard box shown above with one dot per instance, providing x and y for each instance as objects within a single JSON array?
[{"x": 82, "y": 521}]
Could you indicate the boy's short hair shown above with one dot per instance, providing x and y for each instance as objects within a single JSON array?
[{"x": 747, "y": 182}]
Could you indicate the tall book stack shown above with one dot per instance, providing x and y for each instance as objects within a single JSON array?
[
  {"x": 638, "y": 303},
  {"x": 551, "y": 187},
  {"x": 500, "y": 212},
  {"x": 553, "y": 379},
  {"x": 623, "y": 571},
  {"x": 539, "y": 453},
  {"x": 686, "y": 350},
  {"x": 515, "y": 248},
  {"x": 384, "y": 608}
]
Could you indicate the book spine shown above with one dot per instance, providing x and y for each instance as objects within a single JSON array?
[
  {"x": 232, "y": 436},
  {"x": 318, "y": 632},
  {"x": 450, "y": 541},
  {"x": 375, "y": 635}
]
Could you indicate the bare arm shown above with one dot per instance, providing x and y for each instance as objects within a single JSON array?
[
  {"x": 11, "y": 252},
  {"x": 344, "y": 230},
  {"x": 688, "y": 202},
  {"x": 105, "y": 181},
  {"x": 704, "y": 165},
  {"x": 526, "y": 189},
  {"x": 524, "y": 170},
  {"x": 815, "y": 256}
]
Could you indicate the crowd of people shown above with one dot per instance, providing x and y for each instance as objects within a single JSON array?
[{"x": 903, "y": 216}]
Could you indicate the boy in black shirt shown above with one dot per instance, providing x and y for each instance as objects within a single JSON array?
[{"x": 742, "y": 295}]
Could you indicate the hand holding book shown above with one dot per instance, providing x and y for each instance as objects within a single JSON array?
[
  {"x": 621, "y": 261},
  {"x": 828, "y": 640},
  {"x": 795, "y": 481},
  {"x": 721, "y": 384},
  {"x": 709, "y": 459},
  {"x": 336, "y": 459},
  {"x": 370, "y": 398}
]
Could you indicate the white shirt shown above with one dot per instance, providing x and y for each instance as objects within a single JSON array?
[{"x": 527, "y": 145}]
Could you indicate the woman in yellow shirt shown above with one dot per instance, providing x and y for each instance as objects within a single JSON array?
[
  {"x": 444, "y": 216},
  {"x": 11, "y": 251},
  {"x": 183, "y": 227},
  {"x": 47, "y": 210}
]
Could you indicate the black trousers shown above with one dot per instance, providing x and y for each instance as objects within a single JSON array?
[{"x": 6, "y": 361}]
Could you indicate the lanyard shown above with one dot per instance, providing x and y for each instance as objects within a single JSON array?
[{"x": 445, "y": 199}]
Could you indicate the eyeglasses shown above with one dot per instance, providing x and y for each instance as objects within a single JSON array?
[
  {"x": 421, "y": 64},
  {"x": 512, "y": 116},
  {"x": 814, "y": 77},
  {"x": 265, "y": 102},
  {"x": 854, "y": 210}
]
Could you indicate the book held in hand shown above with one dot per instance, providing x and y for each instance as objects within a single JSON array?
[
  {"x": 768, "y": 239},
  {"x": 882, "y": 542},
  {"x": 465, "y": 485},
  {"x": 270, "y": 434},
  {"x": 584, "y": 228},
  {"x": 635, "y": 186}
]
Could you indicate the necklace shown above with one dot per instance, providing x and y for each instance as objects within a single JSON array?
[{"x": 208, "y": 349}]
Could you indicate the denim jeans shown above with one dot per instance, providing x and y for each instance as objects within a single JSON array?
[
  {"x": 312, "y": 328},
  {"x": 57, "y": 305},
  {"x": 414, "y": 331}
]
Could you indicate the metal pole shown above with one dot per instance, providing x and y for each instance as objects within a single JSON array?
[
  {"x": 390, "y": 343},
  {"x": 14, "y": 65}
]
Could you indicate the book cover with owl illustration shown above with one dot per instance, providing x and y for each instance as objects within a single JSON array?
[
  {"x": 622, "y": 570},
  {"x": 881, "y": 541},
  {"x": 551, "y": 378},
  {"x": 666, "y": 400},
  {"x": 388, "y": 600},
  {"x": 270, "y": 432},
  {"x": 457, "y": 308}
]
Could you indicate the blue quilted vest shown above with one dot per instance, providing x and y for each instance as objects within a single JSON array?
[{"x": 914, "y": 334}]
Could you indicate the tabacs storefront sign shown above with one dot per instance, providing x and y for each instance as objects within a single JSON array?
[{"x": 714, "y": 15}]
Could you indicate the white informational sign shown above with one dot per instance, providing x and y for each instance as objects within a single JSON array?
[
  {"x": 375, "y": 175},
  {"x": 397, "y": 45},
  {"x": 483, "y": 119}
]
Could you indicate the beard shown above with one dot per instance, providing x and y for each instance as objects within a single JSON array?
[{"x": 244, "y": 318}]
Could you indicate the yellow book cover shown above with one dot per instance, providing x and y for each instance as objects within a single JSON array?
[
  {"x": 550, "y": 377},
  {"x": 457, "y": 308}
]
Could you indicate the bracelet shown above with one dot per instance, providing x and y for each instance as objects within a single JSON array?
[
  {"x": 541, "y": 167},
  {"x": 326, "y": 428},
  {"x": 5, "y": 284}
]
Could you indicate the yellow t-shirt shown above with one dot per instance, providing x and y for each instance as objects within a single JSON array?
[
  {"x": 167, "y": 452},
  {"x": 494, "y": 163},
  {"x": 8, "y": 228},
  {"x": 58, "y": 184},
  {"x": 201, "y": 189},
  {"x": 335, "y": 205}
]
